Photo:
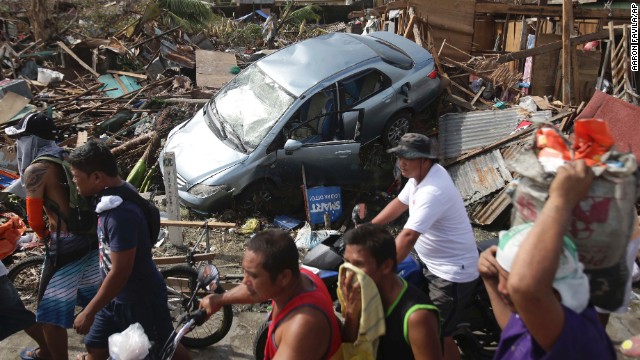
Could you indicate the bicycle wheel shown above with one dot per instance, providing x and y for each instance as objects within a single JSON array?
[
  {"x": 25, "y": 276},
  {"x": 181, "y": 281}
]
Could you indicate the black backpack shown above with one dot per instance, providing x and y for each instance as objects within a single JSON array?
[
  {"x": 82, "y": 218},
  {"x": 149, "y": 210}
]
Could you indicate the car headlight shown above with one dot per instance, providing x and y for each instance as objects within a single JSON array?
[{"x": 204, "y": 191}]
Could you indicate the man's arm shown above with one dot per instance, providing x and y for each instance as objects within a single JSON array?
[
  {"x": 530, "y": 282},
  {"x": 305, "y": 335},
  {"x": 424, "y": 336},
  {"x": 121, "y": 267},
  {"x": 391, "y": 212},
  {"x": 238, "y": 295},
  {"x": 490, "y": 271},
  {"x": 405, "y": 241},
  {"x": 34, "y": 183}
]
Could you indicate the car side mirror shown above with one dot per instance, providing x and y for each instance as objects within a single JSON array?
[
  {"x": 404, "y": 89},
  {"x": 292, "y": 145}
]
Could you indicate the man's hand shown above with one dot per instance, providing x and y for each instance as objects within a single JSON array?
[
  {"x": 211, "y": 304},
  {"x": 351, "y": 293},
  {"x": 83, "y": 322},
  {"x": 488, "y": 265},
  {"x": 572, "y": 183}
]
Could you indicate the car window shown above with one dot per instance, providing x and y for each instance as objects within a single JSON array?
[
  {"x": 249, "y": 106},
  {"x": 362, "y": 86},
  {"x": 317, "y": 119},
  {"x": 388, "y": 52}
]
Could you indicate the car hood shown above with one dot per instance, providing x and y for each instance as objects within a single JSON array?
[{"x": 199, "y": 153}]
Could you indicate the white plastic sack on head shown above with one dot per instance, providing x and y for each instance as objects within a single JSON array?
[{"x": 131, "y": 344}]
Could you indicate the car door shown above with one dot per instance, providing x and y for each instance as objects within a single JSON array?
[
  {"x": 370, "y": 90},
  {"x": 326, "y": 159}
]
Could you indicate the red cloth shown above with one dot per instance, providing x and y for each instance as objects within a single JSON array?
[
  {"x": 592, "y": 139},
  {"x": 318, "y": 298}
]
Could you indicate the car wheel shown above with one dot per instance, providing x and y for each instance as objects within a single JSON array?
[
  {"x": 397, "y": 126},
  {"x": 256, "y": 198}
]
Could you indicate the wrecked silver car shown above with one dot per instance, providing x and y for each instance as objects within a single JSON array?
[{"x": 308, "y": 107}]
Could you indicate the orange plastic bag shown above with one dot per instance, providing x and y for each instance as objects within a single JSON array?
[{"x": 10, "y": 233}]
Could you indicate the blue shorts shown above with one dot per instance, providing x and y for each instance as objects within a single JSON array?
[
  {"x": 13, "y": 315},
  {"x": 64, "y": 287},
  {"x": 151, "y": 312}
]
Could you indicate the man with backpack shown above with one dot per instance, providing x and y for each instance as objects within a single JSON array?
[
  {"x": 132, "y": 289},
  {"x": 70, "y": 275}
]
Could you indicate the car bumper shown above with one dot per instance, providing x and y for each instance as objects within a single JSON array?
[{"x": 221, "y": 200}]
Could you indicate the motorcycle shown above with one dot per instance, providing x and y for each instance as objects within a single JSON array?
[{"x": 477, "y": 336}]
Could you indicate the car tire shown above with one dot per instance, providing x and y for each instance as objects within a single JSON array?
[
  {"x": 258, "y": 197},
  {"x": 397, "y": 126}
]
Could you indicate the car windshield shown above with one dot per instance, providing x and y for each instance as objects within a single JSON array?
[{"x": 243, "y": 112}]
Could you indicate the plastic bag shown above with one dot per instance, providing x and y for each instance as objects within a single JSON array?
[
  {"x": 131, "y": 344},
  {"x": 308, "y": 239},
  {"x": 527, "y": 103},
  {"x": 11, "y": 228}
]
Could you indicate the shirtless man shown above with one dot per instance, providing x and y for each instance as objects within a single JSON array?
[
  {"x": 303, "y": 324},
  {"x": 70, "y": 274}
]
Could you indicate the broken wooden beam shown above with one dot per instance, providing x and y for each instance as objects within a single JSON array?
[
  {"x": 73, "y": 55},
  {"x": 550, "y": 10},
  {"x": 602, "y": 34}
]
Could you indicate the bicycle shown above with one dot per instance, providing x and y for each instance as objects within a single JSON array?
[{"x": 181, "y": 282}]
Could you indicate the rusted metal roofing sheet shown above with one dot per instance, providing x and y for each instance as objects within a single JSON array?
[
  {"x": 480, "y": 176},
  {"x": 489, "y": 212},
  {"x": 462, "y": 132}
]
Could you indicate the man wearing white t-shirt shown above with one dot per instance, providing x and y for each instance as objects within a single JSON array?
[{"x": 438, "y": 228}]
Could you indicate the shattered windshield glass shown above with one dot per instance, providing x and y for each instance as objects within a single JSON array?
[{"x": 243, "y": 112}]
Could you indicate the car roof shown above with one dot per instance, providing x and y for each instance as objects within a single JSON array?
[{"x": 300, "y": 66}]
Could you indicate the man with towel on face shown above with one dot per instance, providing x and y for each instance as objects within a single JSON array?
[
  {"x": 537, "y": 288},
  {"x": 71, "y": 274}
]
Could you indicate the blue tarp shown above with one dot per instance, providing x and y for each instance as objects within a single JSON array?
[{"x": 110, "y": 82}]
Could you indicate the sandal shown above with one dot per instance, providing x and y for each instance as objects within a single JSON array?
[
  {"x": 30, "y": 354},
  {"x": 631, "y": 346},
  {"x": 82, "y": 356}
]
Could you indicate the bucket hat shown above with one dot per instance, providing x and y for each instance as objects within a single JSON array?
[{"x": 415, "y": 146}]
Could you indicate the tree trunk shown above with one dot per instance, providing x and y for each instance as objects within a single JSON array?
[{"x": 43, "y": 27}]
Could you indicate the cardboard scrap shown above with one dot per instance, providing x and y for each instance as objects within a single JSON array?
[{"x": 213, "y": 68}]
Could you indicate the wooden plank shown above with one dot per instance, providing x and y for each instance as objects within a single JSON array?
[
  {"x": 567, "y": 26},
  {"x": 171, "y": 189},
  {"x": 602, "y": 34},
  {"x": 210, "y": 224},
  {"x": 73, "y": 55},
  {"x": 213, "y": 68},
  {"x": 182, "y": 259},
  {"x": 127, "y": 73},
  {"x": 549, "y": 10}
]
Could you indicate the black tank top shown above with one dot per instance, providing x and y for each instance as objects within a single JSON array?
[{"x": 395, "y": 343}]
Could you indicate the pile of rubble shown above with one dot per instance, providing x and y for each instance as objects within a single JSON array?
[{"x": 136, "y": 83}]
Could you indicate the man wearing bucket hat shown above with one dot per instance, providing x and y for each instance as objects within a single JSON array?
[
  {"x": 438, "y": 228},
  {"x": 70, "y": 274},
  {"x": 538, "y": 291}
]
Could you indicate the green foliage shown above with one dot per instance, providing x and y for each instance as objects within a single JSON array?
[
  {"x": 306, "y": 14},
  {"x": 190, "y": 14}
]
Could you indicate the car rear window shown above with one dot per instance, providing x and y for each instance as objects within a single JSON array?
[{"x": 388, "y": 52}]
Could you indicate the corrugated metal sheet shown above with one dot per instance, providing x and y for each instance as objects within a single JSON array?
[
  {"x": 486, "y": 214},
  {"x": 480, "y": 176},
  {"x": 462, "y": 132}
]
